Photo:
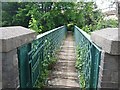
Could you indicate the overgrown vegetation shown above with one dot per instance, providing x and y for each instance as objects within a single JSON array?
[
  {"x": 79, "y": 65},
  {"x": 47, "y": 58},
  {"x": 45, "y": 71},
  {"x": 44, "y": 16}
]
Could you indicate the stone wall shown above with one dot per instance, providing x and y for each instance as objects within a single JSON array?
[
  {"x": 108, "y": 40},
  {"x": 11, "y": 39}
]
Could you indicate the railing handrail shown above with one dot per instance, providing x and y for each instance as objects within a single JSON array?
[
  {"x": 87, "y": 36},
  {"x": 89, "y": 55},
  {"x": 48, "y": 32},
  {"x": 38, "y": 55},
  {"x": 84, "y": 33}
]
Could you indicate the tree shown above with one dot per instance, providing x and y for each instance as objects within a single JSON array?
[{"x": 44, "y": 16}]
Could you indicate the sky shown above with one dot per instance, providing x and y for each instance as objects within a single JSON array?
[{"x": 103, "y": 4}]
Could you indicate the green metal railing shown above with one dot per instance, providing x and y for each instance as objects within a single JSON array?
[
  {"x": 32, "y": 55},
  {"x": 89, "y": 56}
]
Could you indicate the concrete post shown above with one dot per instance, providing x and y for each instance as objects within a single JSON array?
[
  {"x": 109, "y": 40},
  {"x": 10, "y": 39},
  {"x": 118, "y": 9}
]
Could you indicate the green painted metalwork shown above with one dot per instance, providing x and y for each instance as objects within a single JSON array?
[
  {"x": 91, "y": 58},
  {"x": 24, "y": 68},
  {"x": 32, "y": 55}
]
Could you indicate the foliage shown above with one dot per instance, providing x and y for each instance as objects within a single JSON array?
[
  {"x": 9, "y": 12},
  {"x": 45, "y": 64},
  {"x": 44, "y": 16},
  {"x": 79, "y": 65},
  {"x": 111, "y": 23},
  {"x": 45, "y": 70}
]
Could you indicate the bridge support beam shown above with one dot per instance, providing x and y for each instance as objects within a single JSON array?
[
  {"x": 10, "y": 39},
  {"x": 109, "y": 40}
]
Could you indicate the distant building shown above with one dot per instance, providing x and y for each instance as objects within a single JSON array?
[
  {"x": 118, "y": 11},
  {"x": 111, "y": 12}
]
